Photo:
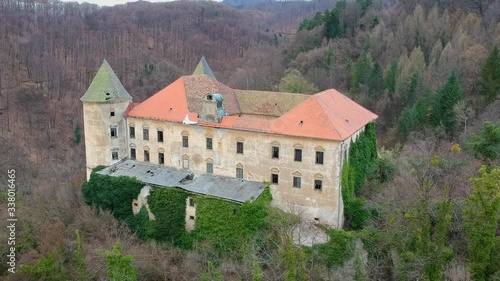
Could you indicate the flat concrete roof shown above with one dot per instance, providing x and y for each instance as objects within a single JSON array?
[{"x": 232, "y": 189}]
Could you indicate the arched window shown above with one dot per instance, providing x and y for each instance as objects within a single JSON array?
[
  {"x": 185, "y": 161},
  {"x": 161, "y": 156},
  {"x": 275, "y": 172},
  {"x": 239, "y": 171},
  {"x": 318, "y": 182},
  {"x": 132, "y": 151},
  {"x": 297, "y": 179},
  {"x": 210, "y": 166},
  {"x": 146, "y": 154},
  {"x": 131, "y": 130},
  {"x": 320, "y": 155}
]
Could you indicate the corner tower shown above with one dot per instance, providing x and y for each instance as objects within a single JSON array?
[
  {"x": 204, "y": 68},
  {"x": 104, "y": 105}
]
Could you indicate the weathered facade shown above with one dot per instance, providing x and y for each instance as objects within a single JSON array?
[{"x": 295, "y": 142}]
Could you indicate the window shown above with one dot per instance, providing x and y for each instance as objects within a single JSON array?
[
  {"x": 276, "y": 152},
  {"x": 319, "y": 157},
  {"x": 131, "y": 132},
  {"x": 239, "y": 173},
  {"x": 112, "y": 112},
  {"x": 318, "y": 185},
  {"x": 160, "y": 136},
  {"x": 146, "y": 155},
  {"x": 191, "y": 218},
  {"x": 297, "y": 181},
  {"x": 161, "y": 158},
  {"x": 185, "y": 141},
  {"x": 298, "y": 155},
  {"x": 239, "y": 147},
  {"x": 191, "y": 201},
  {"x": 274, "y": 178},
  {"x": 132, "y": 154},
  {"x": 145, "y": 133},
  {"x": 209, "y": 143},
  {"x": 113, "y": 132},
  {"x": 185, "y": 162},
  {"x": 114, "y": 154},
  {"x": 210, "y": 168}
]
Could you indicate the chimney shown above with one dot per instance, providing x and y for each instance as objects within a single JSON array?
[{"x": 212, "y": 110}]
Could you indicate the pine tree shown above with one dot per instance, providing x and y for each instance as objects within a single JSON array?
[
  {"x": 489, "y": 85},
  {"x": 361, "y": 72},
  {"x": 390, "y": 78},
  {"x": 376, "y": 81},
  {"x": 334, "y": 22},
  {"x": 448, "y": 96}
]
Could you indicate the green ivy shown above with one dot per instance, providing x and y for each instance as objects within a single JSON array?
[
  {"x": 227, "y": 225},
  {"x": 169, "y": 207},
  {"x": 338, "y": 250},
  {"x": 362, "y": 155},
  {"x": 114, "y": 194}
]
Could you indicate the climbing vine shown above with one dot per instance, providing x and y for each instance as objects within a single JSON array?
[
  {"x": 114, "y": 194},
  {"x": 169, "y": 207},
  {"x": 228, "y": 225},
  {"x": 225, "y": 224},
  {"x": 362, "y": 154}
]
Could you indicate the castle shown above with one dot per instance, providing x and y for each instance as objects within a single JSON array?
[{"x": 207, "y": 138}]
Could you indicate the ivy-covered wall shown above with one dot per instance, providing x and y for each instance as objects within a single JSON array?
[
  {"x": 114, "y": 194},
  {"x": 227, "y": 225},
  {"x": 168, "y": 204},
  {"x": 362, "y": 155}
]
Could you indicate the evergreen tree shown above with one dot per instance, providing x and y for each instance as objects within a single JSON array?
[
  {"x": 413, "y": 89},
  {"x": 489, "y": 85},
  {"x": 361, "y": 72},
  {"x": 376, "y": 81},
  {"x": 448, "y": 96},
  {"x": 119, "y": 266},
  {"x": 481, "y": 216},
  {"x": 390, "y": 78},
  {"x": 486, "y": 144},
  {"x": 334, "y": 21}
]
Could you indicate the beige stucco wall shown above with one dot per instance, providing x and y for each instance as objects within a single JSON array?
[
  {"x": 97, "y": 124},
  {"x": 256, "y": 161},
  {"x": 142, "y": 200}
]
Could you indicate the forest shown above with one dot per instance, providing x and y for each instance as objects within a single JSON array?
[{"x": 426, "y": 208}]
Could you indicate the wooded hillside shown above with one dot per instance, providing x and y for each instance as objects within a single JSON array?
[{"x": 427, "y": 209}]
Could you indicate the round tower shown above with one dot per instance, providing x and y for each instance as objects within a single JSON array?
[{"x": 104, "y": 106}]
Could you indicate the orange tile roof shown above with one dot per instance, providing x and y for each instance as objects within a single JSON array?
[
  {"x": 326, "y": 115},
  {"x": 168, "y": 104}
]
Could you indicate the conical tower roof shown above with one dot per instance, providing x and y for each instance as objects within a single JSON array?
[
  {"x": 204, "y": 68},
  {"x": 106, "y": 87}
]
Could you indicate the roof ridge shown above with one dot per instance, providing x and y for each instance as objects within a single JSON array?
[{"x": 324, "y": 111}]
